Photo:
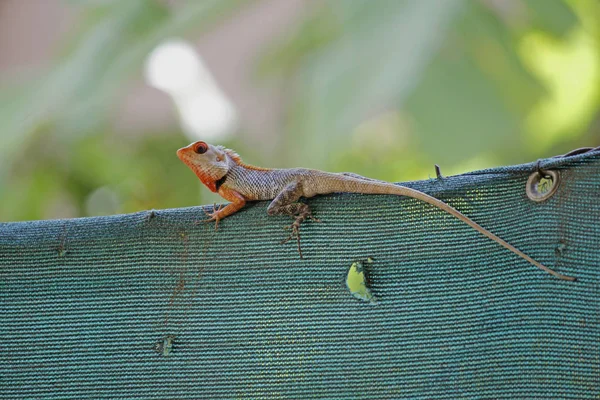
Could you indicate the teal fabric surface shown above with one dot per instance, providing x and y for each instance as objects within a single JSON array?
[{"x": 156, "y": 305}]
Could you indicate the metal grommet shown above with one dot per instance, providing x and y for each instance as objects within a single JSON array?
[{"x": 542, "y": 184}]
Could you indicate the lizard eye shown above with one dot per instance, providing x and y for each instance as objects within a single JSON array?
[{"x": 200, "y": 148}]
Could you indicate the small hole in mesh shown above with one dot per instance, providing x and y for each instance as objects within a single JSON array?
[
  {"x": 165, "y": 346},
  {"x": 541, "y": 185},
  {"x": 560, "y": 248},
  {"x": 357, "y": 281}
]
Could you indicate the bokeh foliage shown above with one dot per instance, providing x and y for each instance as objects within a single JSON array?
[{"x": 383, "y": 88}]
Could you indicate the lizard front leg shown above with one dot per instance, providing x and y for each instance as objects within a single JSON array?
[
  {"x": 286, "y": 203},
  {"x": 237, "y": 203}
]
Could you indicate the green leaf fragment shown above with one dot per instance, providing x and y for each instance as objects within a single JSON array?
[{"x": 357, "y": 284}]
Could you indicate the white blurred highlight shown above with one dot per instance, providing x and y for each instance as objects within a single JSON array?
[{"x": 205, "y": 112}]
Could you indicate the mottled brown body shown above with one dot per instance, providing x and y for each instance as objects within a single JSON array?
[{"x": 223, "y": 171}]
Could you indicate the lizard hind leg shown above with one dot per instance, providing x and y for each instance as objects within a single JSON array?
[
  {"x": 300, "y": 212},
  {"x": 286, "y": 203}
]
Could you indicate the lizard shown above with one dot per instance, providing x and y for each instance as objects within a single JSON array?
[{"x": 223, "y": 171}]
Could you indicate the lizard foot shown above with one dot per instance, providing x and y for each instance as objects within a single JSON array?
[
  {"x": 214, "y": 216},
  {"x": 295, "y": 228},
  {"x": 295, "y": 234}
]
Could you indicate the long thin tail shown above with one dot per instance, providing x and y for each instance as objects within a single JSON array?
[{"x": 355, "y": 184}]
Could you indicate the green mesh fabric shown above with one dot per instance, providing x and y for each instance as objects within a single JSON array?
[{"x": 157, "y": 305}]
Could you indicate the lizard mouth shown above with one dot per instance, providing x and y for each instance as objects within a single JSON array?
[
  {"x": 186, "y": 155},
  {"x": 187, "y": 158},
  {"x": 182, "y": 153}
]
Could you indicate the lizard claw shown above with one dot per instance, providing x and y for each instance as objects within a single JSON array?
[
  {"x": 312, "y": 218},
  {"x": 214, "y": 216},
  {"x": 295, "y": 234},
  {"x": 216, "y": 209},
  {"x": 295, "y": 228},
  {"x": 292, "y": 235}
]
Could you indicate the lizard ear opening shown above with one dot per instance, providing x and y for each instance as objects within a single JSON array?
[{"x": 200, "y": 147}]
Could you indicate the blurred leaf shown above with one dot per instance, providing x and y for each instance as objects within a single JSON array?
[
  {"x": 475, "y": 94},
  {"x": 377, "y": 61},
  {"x": 555, "y": 17},
  {"x": 570, "y": 69},
  {"x": 317, "y": 31}
]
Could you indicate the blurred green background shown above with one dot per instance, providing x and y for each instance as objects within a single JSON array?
[{"x": 97, "y": 95}]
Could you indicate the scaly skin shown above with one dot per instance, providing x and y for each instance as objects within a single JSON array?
[{"x": 223, "y": 172}]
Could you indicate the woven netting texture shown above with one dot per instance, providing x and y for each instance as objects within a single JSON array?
[{"x": 160, "y": 305}]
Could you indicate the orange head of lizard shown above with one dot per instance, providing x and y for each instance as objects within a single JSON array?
[{"x": 210, "y": 163}]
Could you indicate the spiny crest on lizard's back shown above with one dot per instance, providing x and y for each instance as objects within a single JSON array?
[{"x": 238, "y": 160}]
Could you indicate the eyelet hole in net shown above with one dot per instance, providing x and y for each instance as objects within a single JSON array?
[{"x": 541, "y": 185}]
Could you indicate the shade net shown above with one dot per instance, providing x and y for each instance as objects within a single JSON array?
[{"x": 160, "y": 305}]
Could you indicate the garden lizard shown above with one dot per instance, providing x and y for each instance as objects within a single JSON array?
[{"x": 223, "y": 172}]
